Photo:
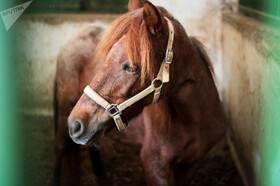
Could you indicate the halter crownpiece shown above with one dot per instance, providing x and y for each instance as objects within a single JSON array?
[{"x": 114, "y": 110}]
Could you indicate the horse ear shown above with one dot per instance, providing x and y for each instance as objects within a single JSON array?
[
  {"x": 134, "y": 4},
  {"x": 152, "y": 17}
]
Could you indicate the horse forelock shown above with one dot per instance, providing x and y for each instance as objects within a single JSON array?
[{"x": 138, "y": 45}]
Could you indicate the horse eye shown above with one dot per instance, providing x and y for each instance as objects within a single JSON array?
[{"x": 126, "y": 67}]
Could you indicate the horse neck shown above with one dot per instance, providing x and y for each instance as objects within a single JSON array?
[{"x": 189, "y": 86}]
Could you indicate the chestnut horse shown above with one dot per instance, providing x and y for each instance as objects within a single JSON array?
[
  {"x": 175, "y": 132},
  {"x": 75, "y": 68}
]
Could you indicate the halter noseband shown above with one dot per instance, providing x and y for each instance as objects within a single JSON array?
[{"x": 115, "y": 110}]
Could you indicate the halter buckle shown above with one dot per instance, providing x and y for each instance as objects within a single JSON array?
[
  {"x": 169, "y": 56},
  {"x": 113, "y": 110}
]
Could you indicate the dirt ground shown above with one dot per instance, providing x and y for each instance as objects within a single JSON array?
[{"x": 122, "y": 163}]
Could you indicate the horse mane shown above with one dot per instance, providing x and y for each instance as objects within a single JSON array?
[
  {"x": 203, "y": 54},
  {"x": 138, "y": 45}
]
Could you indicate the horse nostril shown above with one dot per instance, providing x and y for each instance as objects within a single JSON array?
[{"x": 76, "y": 128}]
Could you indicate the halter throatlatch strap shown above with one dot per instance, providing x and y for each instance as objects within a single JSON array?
[{"x": 114, "y": 110}]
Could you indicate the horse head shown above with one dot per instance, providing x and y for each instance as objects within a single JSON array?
[{"x": 132, "y": 50}]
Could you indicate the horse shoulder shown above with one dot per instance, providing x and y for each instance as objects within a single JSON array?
[{"x": 134, "y": 134}]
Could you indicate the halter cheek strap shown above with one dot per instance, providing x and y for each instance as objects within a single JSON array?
[{"x": 115, "y": 110}]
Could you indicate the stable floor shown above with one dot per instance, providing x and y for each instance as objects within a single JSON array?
[{"x": 122, "y": 163}]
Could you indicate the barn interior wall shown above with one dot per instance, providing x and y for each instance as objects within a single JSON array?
[{"x": 251, "y": 65}]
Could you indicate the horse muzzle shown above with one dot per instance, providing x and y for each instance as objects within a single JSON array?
[{"x": 83, "y": 136}]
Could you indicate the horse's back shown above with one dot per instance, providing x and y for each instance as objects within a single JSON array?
[{"x": 76, "y": 65}]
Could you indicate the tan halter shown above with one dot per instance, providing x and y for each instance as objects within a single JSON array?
[{"x": 115, "y": 110}]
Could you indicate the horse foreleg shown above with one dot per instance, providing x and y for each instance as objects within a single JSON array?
[
  {"x": 184, "y": 173},
  {"x": 158, "y": 172},
  {"x": 57, "y": 166},
  {"x": 165, "y": 169},
  {"x": 97, "y": 166},
  {"x": 61, "y": 143}
]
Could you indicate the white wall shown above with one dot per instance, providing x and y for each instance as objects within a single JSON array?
[{"x": 250, "y": 62}]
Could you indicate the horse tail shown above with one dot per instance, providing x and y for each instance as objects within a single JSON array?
[
  {"x": 55, "y": 104},
  {"x": 203, "y": 54}
]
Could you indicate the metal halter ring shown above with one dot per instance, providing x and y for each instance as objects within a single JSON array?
[
  {"x": 153, "y": 83},
  {"x": 115, "y": 109}
]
